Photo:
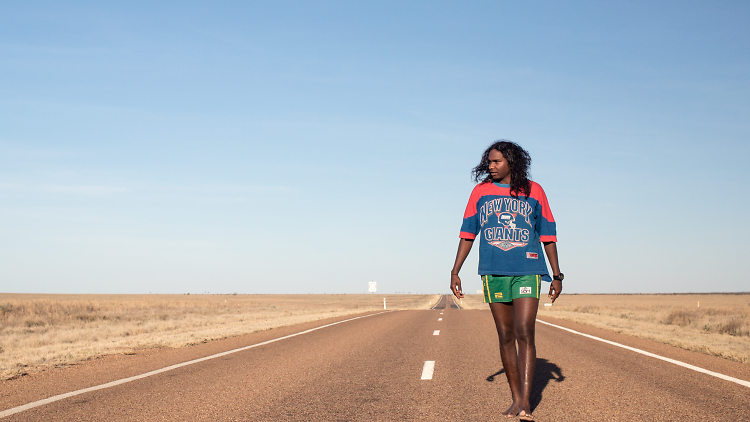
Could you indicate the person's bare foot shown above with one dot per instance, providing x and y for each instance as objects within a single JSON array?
[
  {"x": 512, "y": 411},
  {"x": 525, "y": 415}
]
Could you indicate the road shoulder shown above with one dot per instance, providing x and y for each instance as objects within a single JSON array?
[{"x": 712, "y": 363}]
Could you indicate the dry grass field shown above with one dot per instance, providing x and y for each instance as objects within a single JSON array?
[
  {"x": 38, "y": 330},
  {"x": 714, "y": 324}
]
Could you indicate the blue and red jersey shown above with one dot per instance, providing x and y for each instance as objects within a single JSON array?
[{"x": 510, "y": 229}]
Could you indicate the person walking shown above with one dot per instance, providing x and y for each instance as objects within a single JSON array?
[{"x": 510, "y": 215}]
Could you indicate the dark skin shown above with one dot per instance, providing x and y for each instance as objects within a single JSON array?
[{"x": 514, "y": 320}]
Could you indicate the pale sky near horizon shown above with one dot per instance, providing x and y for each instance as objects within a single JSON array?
[{"x": 313, "y": 146}]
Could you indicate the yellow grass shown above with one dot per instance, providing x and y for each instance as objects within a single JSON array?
[
  {"x": 720, "y": 326},
  {"x": 45, "y": 330},
  {"x": 472, "y": 302}
]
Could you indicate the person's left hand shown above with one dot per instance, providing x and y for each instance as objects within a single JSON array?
[
  {"x": 555, "y": 288},
  {"x": 456, "y": 286}
]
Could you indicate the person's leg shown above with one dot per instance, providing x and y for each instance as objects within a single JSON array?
[
  {"x": 503, "y": 315},
  {"x": 524, "y": 317}
]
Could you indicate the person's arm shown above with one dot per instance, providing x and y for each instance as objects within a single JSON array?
[
  {"x": 555, "y": 288},
  {"x": 464, "y": 247}
]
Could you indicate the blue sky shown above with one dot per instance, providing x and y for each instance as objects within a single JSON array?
[{"x": 313, "y": 146}]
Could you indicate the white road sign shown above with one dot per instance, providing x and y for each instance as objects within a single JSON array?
[{"x": 373, "y": 286}]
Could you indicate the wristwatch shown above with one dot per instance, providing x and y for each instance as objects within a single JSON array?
[{"x": 558, "y": 277}]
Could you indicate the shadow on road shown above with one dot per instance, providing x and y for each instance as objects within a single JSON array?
[
  {"x": 491, "y": 378},
  {"x": 545, "y": 372}
]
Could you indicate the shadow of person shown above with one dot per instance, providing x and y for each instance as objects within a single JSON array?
[
  {"x": 544, "y": 372},
  {"x": 491, "y": 378}
]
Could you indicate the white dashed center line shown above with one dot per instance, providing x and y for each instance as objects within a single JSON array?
[
  {"x": 440, "y": 319},
  {"x": 436, "y": 333},
  {"x": 428, "y": 369}
]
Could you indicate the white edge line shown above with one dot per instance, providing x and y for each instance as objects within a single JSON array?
[
  {"x": 428, "y": 369},
  {"x": 436, "y": 303},
  {"x": 643, "y": 352},
  {"x": 58, "y": 397},
  {"x": 456, "y": 303}
]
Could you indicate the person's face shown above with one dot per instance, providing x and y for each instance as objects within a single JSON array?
[{"x": 499, "y": 168}]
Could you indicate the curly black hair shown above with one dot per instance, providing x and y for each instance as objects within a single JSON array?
[{"x": 519, "y": 162}]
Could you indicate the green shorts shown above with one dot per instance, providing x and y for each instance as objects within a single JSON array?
[{"x": 505, "y": 288}]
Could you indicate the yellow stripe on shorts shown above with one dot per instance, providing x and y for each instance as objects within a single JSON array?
[
  {"x": 487, "y": 288},
  {"x": 538, "y": 286}
]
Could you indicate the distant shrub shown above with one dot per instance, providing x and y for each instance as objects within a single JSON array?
[
  {"x": 681, "y": 317},
  {"x": 733, "y": 327},
  {"x": 86, "y": 318},
  {"x": 588, "y": 309}
]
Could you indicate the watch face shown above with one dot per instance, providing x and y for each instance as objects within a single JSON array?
[{"x": 560, "y": 277}]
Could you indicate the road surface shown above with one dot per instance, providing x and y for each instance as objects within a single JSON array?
[{"x": 374, "y": 368}]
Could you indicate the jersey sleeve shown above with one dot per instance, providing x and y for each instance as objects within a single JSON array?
[
  {"x": 546, "y": 224},
  {"x": 470, "y": 225}
]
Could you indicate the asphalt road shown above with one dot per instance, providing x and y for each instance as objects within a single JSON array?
[{"x": 371, "y": 369}]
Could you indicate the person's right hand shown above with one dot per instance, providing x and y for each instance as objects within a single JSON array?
[{"x": 456, "y": 286}]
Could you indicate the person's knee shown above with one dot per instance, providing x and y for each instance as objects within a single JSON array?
[
  {"x": 506, "y": 336},
  {"x": 525, "y": 334}
]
